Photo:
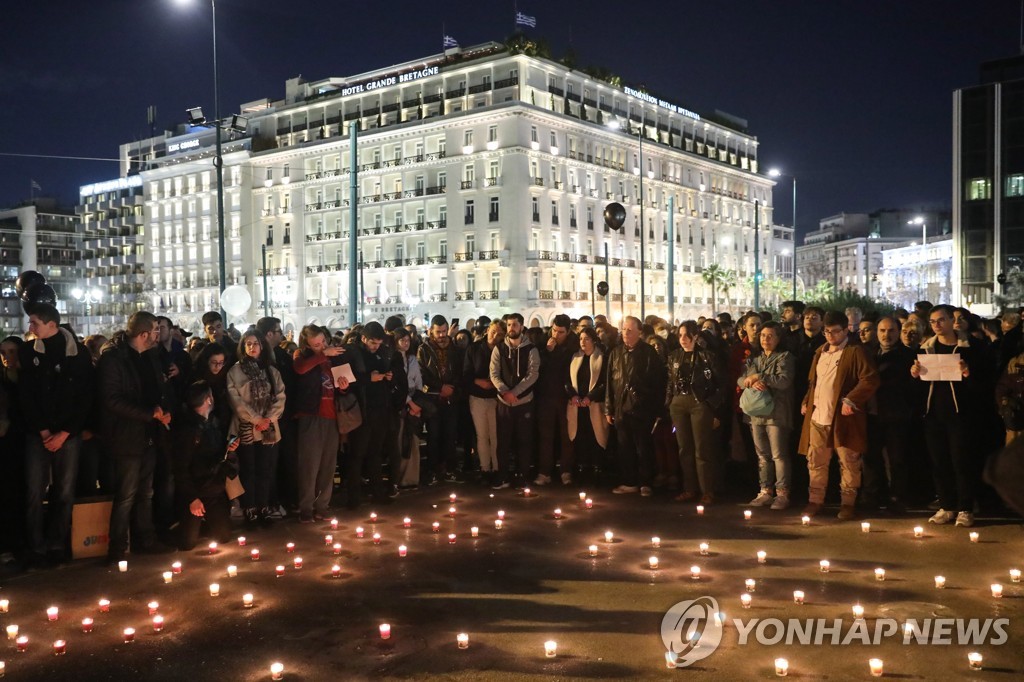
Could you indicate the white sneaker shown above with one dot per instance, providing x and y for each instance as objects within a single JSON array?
[
  {"x": 625, "y": 489},
  {"x": 542, "y": 480},
  {"x": 566, "y": 478},
  {"x": 965, "y": 519},
  {"x": 941, "y": 517},
  {"x": 763, "y": 499},
  {"x": 781, "y": 502}
]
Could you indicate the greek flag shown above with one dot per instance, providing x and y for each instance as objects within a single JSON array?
[
  {"x": 525, "y": 20},
  {"x": 450, "y": 42},
  {"x": 36, "y": 186}
]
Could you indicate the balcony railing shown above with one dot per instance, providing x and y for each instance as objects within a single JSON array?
[
  {"x": 487, "y": 255},
  {"x": 491, "y": 295},
  {"x": 463, "y": 256},
  {"x": 438, "y": 298}
]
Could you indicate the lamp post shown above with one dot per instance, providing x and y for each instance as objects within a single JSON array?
[
  {"x": 639, "y": 132},
  {"x": 776, "y": 173},
  {"x": 88, "y": 298},
  {"x": 919, "y": 220}
]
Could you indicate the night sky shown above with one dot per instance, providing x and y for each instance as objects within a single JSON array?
[{"x": 854, "y": 98}]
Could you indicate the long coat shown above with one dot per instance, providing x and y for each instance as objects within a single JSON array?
[
  {"x": 595, "y": 391},
  {"x": 856, "y": 381}
]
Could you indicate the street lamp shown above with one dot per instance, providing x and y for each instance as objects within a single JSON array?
[
  {"x": 776, "y": 173},
  {"x": 639, "y": 132},
  {"x": 88, "y": 298},
  {"x": 919, "y": 220}
]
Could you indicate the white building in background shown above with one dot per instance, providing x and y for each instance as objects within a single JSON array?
[
  {"x": 482, "y": 179},
  {"x": 911, "y": 273}
]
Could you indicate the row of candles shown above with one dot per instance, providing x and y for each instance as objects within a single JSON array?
[{"x": 875, "y": 665}]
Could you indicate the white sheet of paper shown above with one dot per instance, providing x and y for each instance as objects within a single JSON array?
[
  {"x": 343, "y": 371},
  {"x": 936, "y": 367}
]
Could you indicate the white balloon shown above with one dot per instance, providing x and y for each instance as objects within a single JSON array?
[{"x": 236, "y": 300}]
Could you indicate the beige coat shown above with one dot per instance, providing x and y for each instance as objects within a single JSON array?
[
  {"x": 597, "y": 420},
  {"x": 240, "y": 397}
]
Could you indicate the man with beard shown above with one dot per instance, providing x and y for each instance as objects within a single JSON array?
[
  {"x": 441, "y": 365},
  {"x": 552, "y": 422},
  {"x": 515, "y": 368}
]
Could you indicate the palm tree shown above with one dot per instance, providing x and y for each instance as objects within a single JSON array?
[{"x": 718, "y": 277}]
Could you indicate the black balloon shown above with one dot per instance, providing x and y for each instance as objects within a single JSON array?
[
  {"x": 40, "y": 293},
  {"x": 614, "y": 215},
  {"x": 602, "y": 288},
  {"x": 25, "y": 281}
]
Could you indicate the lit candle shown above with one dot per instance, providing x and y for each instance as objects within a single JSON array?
[
  {"x": 451, "y": 538},
  {"x": 498, "y": 524},
  {"x": 451, "y": 498},
  {"x": 153, "y": 607},
  {"x": 550, "y": 648},
  {"x": 122, "y": 566},
  {"x": 407, "y": 522},
  {"x": 373, "y": 517},
  {"x": 451, "y": 511},
  {"x": 583, "y": 496},
  {"x": 129, "y": 635},
  {"x": 879, "y": 574},
  {"x": 824, "y": 565},
  {"x": 385, "y": 631},
  {"x": 694, "y": 572},
  {"x": 762, "y": 557},
  {"x": 700, "y": 510},
  {"x": 290, "y": 547},
  {"x": 213, "y": 547},
  {"x": 241, "y": 541},
  {"x": 798, "y": 596},
  {"x": 22, "y": 644},
  {"x": 254, "y": 555},
  {"x": 232, "y": 571},
  {"x": 655, "y": 542},
  {"x": 858, "y": 611},
  {"x": 704, "y": 547},
  {"x": 3, "y": 668},
  {"x": 608, "y": 536},
  {"x": 671, "y": 660},
  {"x": 436, "y": 527},
  {"x": 526, "y": 492},
  {"x": 865, "y": 527},
  {"x": 168, "y": 576},
  {"x": 87, "y": 625},
  {"x": 501, "y": 514},
  {"x": 402, "y": 550},
  {"x": 297, "y": 562},
  {"x": 1015, "y": 575},
  {"x": 5, "y": 605},
  {"x": 247, "y": 600},
  {"x": 918, "y": 532},
  {"x": 558, "y": 513},
  {"x": 588, "y": 503},
  {"x": 781, "y": 667},
  {"x": 12, "y": 632},
  {"x": 335, "y": 571},
  {"x": 214, "y": 590},
  {"x": 876, "y": 667},
  {"x": 52, "y": 613},
  {"x": 337, "y": 548},
  {"x": 653, "y": 562},
  {"x": 997, "y": 590},
  {"x": 751, "y": 584},
  {"x": 805, "y": 520},
  {"x": 973, "y": 536},
  {"x": 463, "y": 640},
  {"x": 359, "y": 531},
  {"x": 940, "y": 582},
  {"x": 474, "y": 531},
  {"x": 277, "y": 671},
  {"x": 279, "y": 571},
  {"x": 593, "y": 550},
  {"x": 974, "y": 659},
  {"x": 334, "y": 524},
  {"x": 376, "y": 538},
  {"x": 747, "y": 514},
  {"x": 158, "y": 623},
  {"x": 104, "y": 605},
  {"x": 328, "y": 539},
  {"x": 745, "y": 600}
]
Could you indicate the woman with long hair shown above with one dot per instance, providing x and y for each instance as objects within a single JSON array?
[
  {"x": 585, "y": 384},
  {"x": 257, "y": 397},
  {"x": 209, "y": 367}
]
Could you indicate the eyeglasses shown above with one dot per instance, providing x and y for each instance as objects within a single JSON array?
[{"x": 214, "y": 363}]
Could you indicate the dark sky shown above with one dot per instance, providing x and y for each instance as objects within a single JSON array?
[{"x": 854, "y": 98}]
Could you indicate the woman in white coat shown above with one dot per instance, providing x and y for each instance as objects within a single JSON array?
[{"x": 588, "y": 429}]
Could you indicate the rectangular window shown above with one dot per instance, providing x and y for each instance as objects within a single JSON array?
[
  {"x": 470, "y": 212},
  {"x": 979, "y": 189},
  {"x": 533, "y": 134},
  {"x": 470, "y": 243},
  {"x": 495, "y": 281},
  {"x": 493, "y": 212},
  {"x": 471, "y": 282},
  {"x": 492, "y": 133},
  {"x": 1014, "y": 185},
  {"x": 536, "y": 210},
  {"x": 554, "y": 212},
  {"x": 467, "y": 138}
]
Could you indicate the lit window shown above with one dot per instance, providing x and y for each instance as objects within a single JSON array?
[
  {"x": 979, "y": 189},
  {"x": 1015, "y": 185}
]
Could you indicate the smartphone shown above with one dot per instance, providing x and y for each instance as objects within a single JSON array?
[
  {"x": 455, "y": 322},
  {"x": 232, "y": 440}
]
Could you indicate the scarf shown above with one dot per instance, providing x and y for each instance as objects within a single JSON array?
[{"x": 261, "y": 395}]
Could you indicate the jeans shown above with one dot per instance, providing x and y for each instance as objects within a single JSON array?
[
  {"x": 515, "y": 432},
  {"x": 442, "y": 433},
  {"x": 636, "y": 449},
  {"x": 887, "y": 441},
  {"x": 366, "y": 446},
  {"x": 772, "y": 443},
  {"x": 133, "y": 501},
  {"x": 257, "y": 464},
  {"x": 956, "y": 475},
  {"x": 694, "y": 424},
  {"x": 40, "y": 463},
  {"x": 553, "y": 427},
  {"x": 485, "y": 419}
]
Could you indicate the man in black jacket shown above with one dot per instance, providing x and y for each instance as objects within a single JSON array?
[
  {"x": 515, "y": 368},
  {"x": 635, "y": 394},
  {"x": 371, "y": 364},
  {"x": 441, "y": 364},
  {"x": 136, "y": 413},
  {"x": 552, "y": 421},
  {"x": 56, "y": 390}
]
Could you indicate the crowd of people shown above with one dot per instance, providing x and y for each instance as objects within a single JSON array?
[{"x": 186, "y": 433}]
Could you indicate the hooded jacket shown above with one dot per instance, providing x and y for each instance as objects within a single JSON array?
[
  {"x": 515, "y": 369},
  {"x": 56, "y": 384},
  {"x": 962, "y": 391}
]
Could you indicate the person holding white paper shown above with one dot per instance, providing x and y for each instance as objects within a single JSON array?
[{"x": 949, "y": 413}]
